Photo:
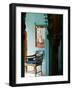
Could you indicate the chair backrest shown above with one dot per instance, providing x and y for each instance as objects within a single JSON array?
[
  {"x": 31, "y": 57},
  {"x": 39, "y": 56}
]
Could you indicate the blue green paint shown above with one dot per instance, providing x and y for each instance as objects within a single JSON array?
[{"x": 31, "y": 20}]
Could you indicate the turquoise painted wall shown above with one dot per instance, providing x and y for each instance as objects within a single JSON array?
[{"x": 31, "y": 20}]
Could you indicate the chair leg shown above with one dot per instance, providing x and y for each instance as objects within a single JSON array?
[
  {"x": 35, "y": 70},
  {"x": 41, "y": 70},
  {"x": 26, "y": 68}
]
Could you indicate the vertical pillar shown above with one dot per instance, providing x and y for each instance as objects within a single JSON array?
[
  {"x": 22, "y": 43},
  {"x": 54, "y": 41}
]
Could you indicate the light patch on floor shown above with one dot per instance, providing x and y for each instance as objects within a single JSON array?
[{"x": 31, "y": 73}]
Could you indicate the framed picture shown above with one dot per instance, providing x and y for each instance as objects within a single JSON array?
[
  {"x": 40, "y": 36},
  {"x": 39, "y": 44}
]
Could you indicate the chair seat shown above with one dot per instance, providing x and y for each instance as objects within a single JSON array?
[
  {"x": 37, "y": 60},
  {"x": 31, "y": 62}
]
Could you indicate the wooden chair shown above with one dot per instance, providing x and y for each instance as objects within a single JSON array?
[{"x": 34, "y": 61}]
